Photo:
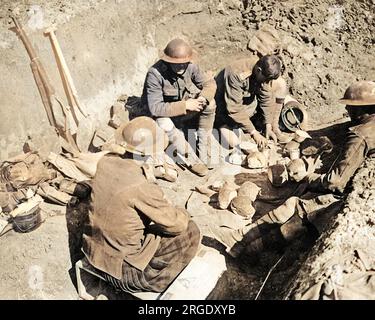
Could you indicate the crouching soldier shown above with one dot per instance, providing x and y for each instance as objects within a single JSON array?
[
  {"x": 176, "y": 90},
  {"x": 136, "y": 237},
  {"x": 360, "y": 104},
  {"x": 297, "y": 216},
  {"x": 248, "y": 86}
]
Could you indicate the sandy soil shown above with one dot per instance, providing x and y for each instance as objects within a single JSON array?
[
  {"x": 350, "y": 237},
  {"x": 327, "y": 45},
  {"x": 38, "y": 265}
]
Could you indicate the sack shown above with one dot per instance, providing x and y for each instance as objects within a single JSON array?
[{"x": 25, "y": 170}]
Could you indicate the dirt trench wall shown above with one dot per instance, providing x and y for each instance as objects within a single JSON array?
[
  {"x": 108, "y": 46},
  {"x": 345, "y": 249},
  {"x": 327, "y": 45}
]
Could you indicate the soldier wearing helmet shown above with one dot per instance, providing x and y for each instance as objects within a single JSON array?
[
  {"x": 250, "y": 86},
  {"x": 360, "y": 104},
  {"x": 136, "y": 238},
  {"x": 299, "y": 213},
  {"x": 176, "y": 90}
]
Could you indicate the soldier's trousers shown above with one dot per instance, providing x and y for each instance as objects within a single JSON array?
[
  {"x": 177, "y": 138},
  {"x": 172, "y": 256}
]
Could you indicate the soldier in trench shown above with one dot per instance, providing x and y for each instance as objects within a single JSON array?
[
  {"x": 252, "y": 86},
  {"x": 136, "y": 238},
  {"x": 175, "y": 91},
  {"x": 360, "y": 143},
  {"x": 296, "y": 215}
]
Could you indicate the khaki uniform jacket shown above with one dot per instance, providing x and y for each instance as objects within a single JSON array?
[
  {"x": 123, "y": 206},
  {"x": 238, "y": 83},
  {"x": 164, "y": 92},
  {"x": 366, "y": 131},
  {"x": 360, "y": 143}
]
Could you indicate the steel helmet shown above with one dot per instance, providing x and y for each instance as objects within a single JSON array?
[
  {"x": 142, "y": 136},
  {"x": 293, "y": 116},
  {"x": 360, "y": 93},
  {"x": 177, "y": 51}
]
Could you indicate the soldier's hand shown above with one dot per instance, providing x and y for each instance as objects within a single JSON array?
[
  {"x": 310, "y": 164},
  {"x": 194, "y": 105},
  {"x": 313, "y": 164},
  {"x": 203, "y": 100},
  {"x": 318, "y": 163},
  {"x": 270, "y": 133},
  {"x": 259, "y": 139}
]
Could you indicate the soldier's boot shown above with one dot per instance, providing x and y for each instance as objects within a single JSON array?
[
  {"x": 166, "y": 172},
  {"x": 179, "y": 146},
  {"x": 193, "y": 162},
  {"x": 282, "y": 213},
  {"x": 200, "y": 169},
  {"x": 319, "y": 210},
  {"x": 163, "y": 167},
  {"x": 231, "y": 239}
]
